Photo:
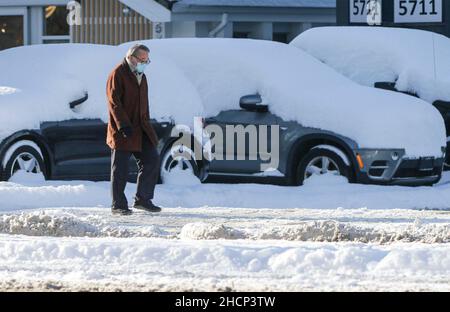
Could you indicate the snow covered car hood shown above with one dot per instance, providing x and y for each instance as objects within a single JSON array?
[{"x": 201, "y": 77}]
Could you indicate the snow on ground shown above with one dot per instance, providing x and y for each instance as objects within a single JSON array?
[
  {"x": 159, "y": 264},
  {"x": 326, "y": 235},
  {"x": 329, "y": 192}
]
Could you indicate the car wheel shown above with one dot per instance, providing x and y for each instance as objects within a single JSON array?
[
  {"x": 24, "y": 157},
  {"x": 181, "y": 158},
  {"x": 320, "y": 162}
]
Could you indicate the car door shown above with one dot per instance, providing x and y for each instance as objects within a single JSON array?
[
  {"x": 249, "y": 126},
  {"x": 79, "y": 148}
]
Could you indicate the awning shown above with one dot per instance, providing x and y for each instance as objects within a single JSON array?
[{"x": 150, "y": 9}]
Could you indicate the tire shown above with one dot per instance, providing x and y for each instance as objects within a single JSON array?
[
  {"x": 26, "y": 158},
  {"x": 178, "y": 156},
  {"x": 315, "y": 157}
]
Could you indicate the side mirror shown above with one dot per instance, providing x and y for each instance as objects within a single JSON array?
[
  {"x": 390, "y": 86},
  {"x": 253, "y": 103},
  {"x": 75, "y": 103}
]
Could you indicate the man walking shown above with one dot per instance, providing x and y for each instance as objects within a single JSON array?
[{"x": 130, "y": 132}]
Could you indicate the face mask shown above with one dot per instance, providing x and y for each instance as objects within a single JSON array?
[{"x": 140, "y": 67}]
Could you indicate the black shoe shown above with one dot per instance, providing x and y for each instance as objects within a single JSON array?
[
  {"x": 147, "y": 206},
  {"x": 121, "y": 212}
]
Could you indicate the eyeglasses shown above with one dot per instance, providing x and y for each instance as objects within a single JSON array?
[{"x": 142, "y": 61}]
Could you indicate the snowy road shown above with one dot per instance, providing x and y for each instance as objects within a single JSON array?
[{"x": 327, "y": 235}]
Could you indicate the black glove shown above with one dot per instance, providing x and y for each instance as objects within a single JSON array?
[{"x": 126, "y": 132}]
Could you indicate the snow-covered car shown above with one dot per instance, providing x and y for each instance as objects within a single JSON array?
[
  {"x": 310, "y": 119},
  {"x": 414, "y": 62}
]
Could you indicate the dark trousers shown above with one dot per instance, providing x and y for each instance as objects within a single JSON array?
[{"x": 148, "y": 171}]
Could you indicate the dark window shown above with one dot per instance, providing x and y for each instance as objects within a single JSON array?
[
  {"x": 240, "y": 34},
  {"x": 11, "y": 31},
  {"x": 55, "y": 21},
  {"x": 50, "y": 41},
  {"x": 280, "y": 37}
]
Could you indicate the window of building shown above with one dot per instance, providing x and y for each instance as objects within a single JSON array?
[
  {"x": 55, "y": 28},
  {"x": 11, "y": 31},
  {"x": 280, "y": 37},
  {"x": 240, "y": 34}
]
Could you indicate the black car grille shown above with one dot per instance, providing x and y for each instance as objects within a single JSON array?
[
  {"x": 376, "y": 172},
  {"x": 378, "y": 168},
  {"x": 419, "y": 168}
]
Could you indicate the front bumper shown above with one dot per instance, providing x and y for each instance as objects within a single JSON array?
[{"x": 392, "y": 167}]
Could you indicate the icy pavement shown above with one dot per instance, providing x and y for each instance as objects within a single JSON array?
[
  {"x": 327, "y": 235},
  {"x": 338, "y": 225}
]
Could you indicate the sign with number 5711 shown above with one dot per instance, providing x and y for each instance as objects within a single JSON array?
[{"x": 418, "y": 11}]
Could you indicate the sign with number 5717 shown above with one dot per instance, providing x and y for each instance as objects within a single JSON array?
[
  {"x": 418, "y": 11},
  {"x": 366, "y": 11}
]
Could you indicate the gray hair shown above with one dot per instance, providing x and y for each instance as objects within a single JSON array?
[{"x": 136, "y": 48}]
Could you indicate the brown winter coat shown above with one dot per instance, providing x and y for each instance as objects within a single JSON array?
[{"x": 128, "y": 106}]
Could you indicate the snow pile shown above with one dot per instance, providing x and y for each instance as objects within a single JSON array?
[
  {"x": 22, "y": 175},
  {"x": 333, "y": 231},
  {"x": 417, "y": 60},
  {"x": 244, "y": 225},
  {"x": 72, "y": 194},
  {"x": 7, "y": 91},
  {"x": 210, "y": 75},
  {"x": 329, "y": 192},
  {"x": 179, "y": 177},
  {"x": 41, "y": 223},
  {"x": 201, "y": 230},
  {"x": 212, "y": 265}
]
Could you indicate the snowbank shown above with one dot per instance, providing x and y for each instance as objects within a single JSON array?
[
  {"x": 61, "y": 224},
  {"x": 160, "y": 264},
  {"x": 201, "y": 230},
  {"x": 212, "y": 223},
  {"x": 327, "y": 192},
  {"x": 201, "y": 77},
  {"x": 418, "y": 60}
]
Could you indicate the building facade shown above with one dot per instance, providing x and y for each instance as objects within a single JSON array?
[
  {"x": 32, "y": 22},
  {"x": 279, "y": 20},
  {"x": 27, "y": 22},
  {"x": 111, "y": 22},
  {"x": 431, "y": 15}
]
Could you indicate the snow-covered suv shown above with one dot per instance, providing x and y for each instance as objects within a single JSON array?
[
  {"x": 410, "y": 61},
  {"x": 302, "y": 117}
]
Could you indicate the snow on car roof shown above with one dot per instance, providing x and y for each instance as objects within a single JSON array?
[
  {"x": 418, "y": 61},
  {"x": 201, "y": 77}
]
